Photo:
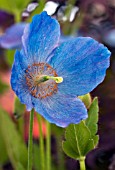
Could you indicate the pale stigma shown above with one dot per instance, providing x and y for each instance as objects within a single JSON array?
[
  {"x": 45, "y": 78},
  {"x": 56, "y": 79}
]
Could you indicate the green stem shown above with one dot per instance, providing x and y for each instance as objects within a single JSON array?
[
  {"x": 17, "y": 16},
  {"x": 82, "y": 164},
  {"x": 60, "y": 153},
  {"x": 41, "y": 143},
  {"x": 30, "y": 141},
  {"x": 48, "y": 146}
]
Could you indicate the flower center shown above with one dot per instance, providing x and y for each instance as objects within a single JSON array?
[{"x": 42, "y": 80}]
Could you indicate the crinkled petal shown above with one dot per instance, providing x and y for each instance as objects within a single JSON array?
[
  {"x": 12, "y": 37},
  {"x": 41, "y": 37},
  {"x": 82, "y": 63},
  {"x": 60, "y": 109},
  {"x": 18, "y": 82}
]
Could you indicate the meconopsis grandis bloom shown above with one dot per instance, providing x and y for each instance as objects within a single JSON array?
[
  {"x": 47, "y": 75},
  {"x": 11, "y": 39}
]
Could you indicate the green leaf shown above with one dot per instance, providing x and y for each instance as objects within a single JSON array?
[
  {"x": 10, "y": 56},
  {"x": 15, "y": 7},
  {"x": 78, "y": 142},
  {"x": 15, "y": 146},
  {"x": 86, "y": 99},
  {"x": 7, "y": 5},
  {"x": 96, "y": 140},
  {"x": 19, "y": 108},
  {"x": 21, "y": 4},
  {"x": 3, "y": 87},
  {"x": 91, "y": 121},
  {"x": 20, "y": 166},
  {"x": 4, "y": 155},
  {"x": 81, "y": 138}
]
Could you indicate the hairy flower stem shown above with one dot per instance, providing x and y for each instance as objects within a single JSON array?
[
  {"x": 82, "y": 164},
  {"x": 41, "y": 143},
  {"x": 48, "y": 146},
  {"x": 30, "y": 141}
]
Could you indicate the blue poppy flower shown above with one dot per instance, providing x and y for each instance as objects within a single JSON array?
[
  {"x": 6, "y": 19},
  {"x": 11, "y": 39},
  {"x": 47, "y": 76}
]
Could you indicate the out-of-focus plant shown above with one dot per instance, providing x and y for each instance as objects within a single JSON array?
[
  {"x": 11, "y": 39},
  {"x": 15, "y": 7},
  {"x": 6, "y": 19},
  {"x": 15, "y": 146}
]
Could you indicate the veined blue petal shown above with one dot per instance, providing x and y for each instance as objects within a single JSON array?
[
  {"x": 21, "y": 59},
  {"x": 82, "y": 63},
  {"x": 41, "y": 37},
  {"x": 61, "y": 110},
  {"x": 65, "y": 38},
  {"x": 18, "y": 82},
  {"x": 11, "y": 39}
]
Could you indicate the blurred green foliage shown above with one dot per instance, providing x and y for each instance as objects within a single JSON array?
[
  {"x": 15, "y": 146},
  {"x": 3, "y": 87},
  {"x": 15, "y": 7}
]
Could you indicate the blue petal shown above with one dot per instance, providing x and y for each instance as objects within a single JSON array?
[
  {"x": 12, "y": 37},
  {"x": 65, "y": 38},
  {"x": 61, "y": 110},
  {"x": 41, "y": 37},
  {"x": 18, "y": 82},
  {"x": 82, "y": 63}
]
